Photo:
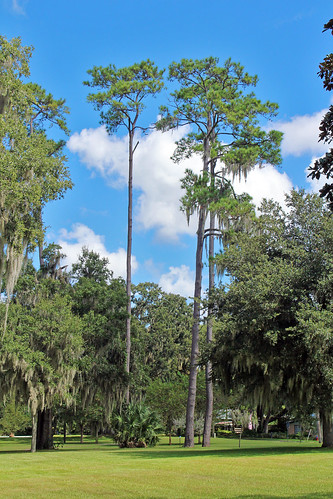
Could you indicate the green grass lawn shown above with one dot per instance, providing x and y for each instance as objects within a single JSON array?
[{"x": 260, "y": 468}]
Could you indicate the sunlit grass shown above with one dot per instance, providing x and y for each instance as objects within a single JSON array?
[{"x": 260, "y": 468}]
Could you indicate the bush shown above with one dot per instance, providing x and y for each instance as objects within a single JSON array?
[
  {"x": 135, "y": 426},
  {"x": 225, "y": 434},
  {"x": 15, "y": 418}
]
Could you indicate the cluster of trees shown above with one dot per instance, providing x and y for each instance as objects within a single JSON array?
[
  {"x": 274, "y": 339},
  {"x": 65, "y": 343},
  {"x": 226, "y": 129},
  {"x": 90, "y": 342}
]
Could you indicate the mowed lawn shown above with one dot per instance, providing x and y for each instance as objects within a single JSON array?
[{"x": 260, "y": 468}]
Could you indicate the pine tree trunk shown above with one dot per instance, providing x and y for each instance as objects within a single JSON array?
[
  {"x": 209, "y": 338},
  {"x": 44, "y": 430},
  {"x": 129, "y": 255},
  {"x": 327, "y": 429},
  {"x": 40, "y": 242},
  {"x": 189, "y": 432},
  {"x": 192, "y": 388}
]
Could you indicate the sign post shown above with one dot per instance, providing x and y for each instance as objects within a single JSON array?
[{"x": 239, "y": 431}]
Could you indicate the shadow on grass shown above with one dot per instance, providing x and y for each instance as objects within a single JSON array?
[
  {"x": 72, "y": 445},
  {"x": 229, "y": 453},
  {"x": 164, "y": 451}
]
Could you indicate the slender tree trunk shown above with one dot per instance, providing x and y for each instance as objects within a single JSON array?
[
  {"x": 192, "y": 388},
  {"x": 189, "y": 432},
  {"x": 40, "y": 242},
  {"x": 129, "y": 255},
  {"x": 34, "y": 433},
  {"x": 81, "y": 433},
  {"x": 209, "y": 338},
  {"x": 170, "y": 437},
  {"x": 319, "y": 432},
  {"x": 327, "y": 429},
  {"x": 65, "y": 432}
]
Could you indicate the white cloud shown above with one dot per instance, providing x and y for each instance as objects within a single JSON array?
[
  {"x": 156, "y": 176},
  {"x": 102, "y": 153},
  {"x": 266, "y": 183},
  {"x": 81, "y": 235},
  {"x": 179, "y": 280},
  {"x": 301, "y": 134}
]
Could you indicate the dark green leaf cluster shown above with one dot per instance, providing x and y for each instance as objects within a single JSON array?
[
  {"x": 212, "y": 99},
  {"x": 135, "y": 426},
  {"x": 161, "y": 335},
  {"x": 122, "y": 91},
  {"x": 275, "y": 315},
  {"x": 32, "y": 166}
]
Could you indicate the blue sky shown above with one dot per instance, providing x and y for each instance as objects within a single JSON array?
[{"x": 282, "y": 42}]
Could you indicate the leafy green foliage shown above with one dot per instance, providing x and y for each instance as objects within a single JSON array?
[
  {"x": 122, "y": 92},
  {"x": 135, "y": 426},
  {"x": 40, "y": 356},
  {"x": 211, "y": 99},
  {"x": 275, "y": 314},
  {"x": 15, "y": 418},
  {"x": 32, "y": 166},
  {"x": 100, "y": 301},
  {"x": 161, "y": 335},
  {"x": 168, "y": 399}
]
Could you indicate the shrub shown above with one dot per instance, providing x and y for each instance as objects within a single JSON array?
[
  {"x": 224, "y": 433},
  {"x": 135, "y": 426}
]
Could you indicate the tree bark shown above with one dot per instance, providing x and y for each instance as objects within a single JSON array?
[
  {"x": 129, "y": 255},
  {"x": 189, "y": 432},
  {"x": 209, "y": 338},
  {"x": 65, "y": 432},
  {"x": 34, "y": 433},
  {"x": 319, "y": 432},
  {"x": 40, "y": 242},
  {"x": 81, "y": 433},
  {"x": 327, "y": 429},
  {"x": 44, "y": 430},
  {"x": 265, "y": 423},
  {"x": 192, "y": 388}
]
